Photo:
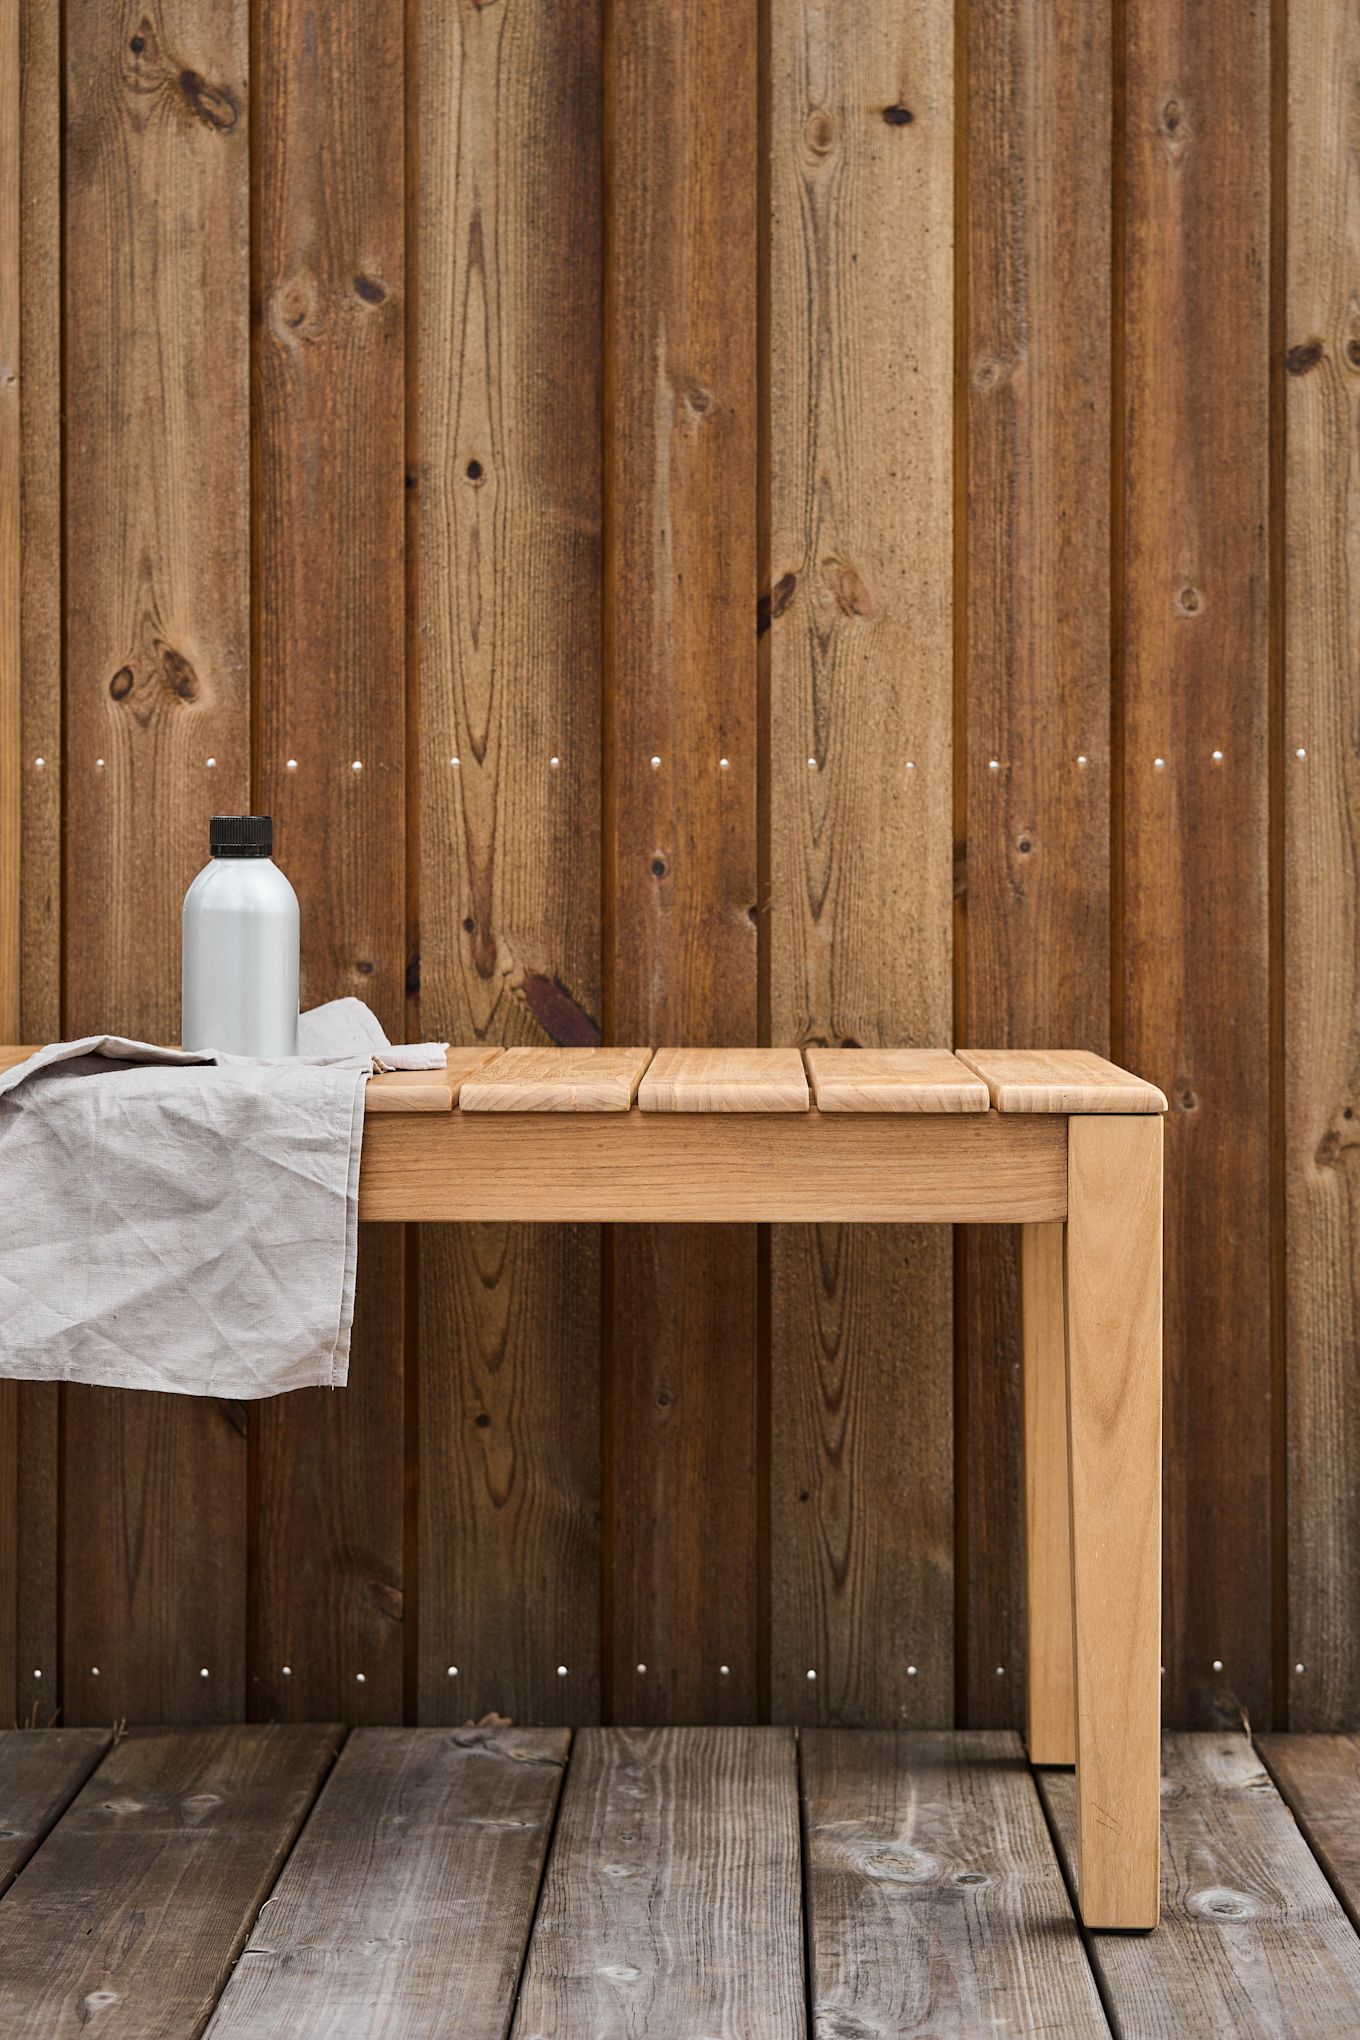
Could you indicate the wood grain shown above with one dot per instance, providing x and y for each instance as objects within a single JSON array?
[
  {"x": 507, "y": 474},
  {"x": 860, "y": 648},
  {"x": 1035, "y": 413},
  {"x": 1112, "y": 1292},
  {"x": 329, "y": 500},
  {"x": 1320, "y": 974},
  {"x": 892, "y": 1080},
  {"x": 1193, "y": 969},
  {"x": 407, "y": 1903},
  {"x": 1319, "y": 1778},
  {"x": 41, "y": 1771},
  {"x": 1050, "y": 1692},
  {"x": 133, "y": 1911},
  {"x": 426, "y": 1090},
  {"x": 717, "y": 1168},
  {"x": 681, "y": 351},
  {"x": 671, "y": 1899},
  {"x": 1070, "y": 1080},
  {"x": 725, "y": 1080},
  {"x": 558, "y": 1080},
  {"x": 157, "y": 643},
  {"x": 935, "y": 1902},
  {"x": 1252, "y": 1941},
  {"x": 40, "y": 598},
  {"x": 11, "y": 551}
]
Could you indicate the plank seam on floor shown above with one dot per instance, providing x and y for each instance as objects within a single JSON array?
[
  {"x": 1069, "y": 1886},
  {"x": 512, "y": 2010}
]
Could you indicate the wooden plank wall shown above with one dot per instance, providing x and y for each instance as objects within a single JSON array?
[{"x": 799, "y": 523}]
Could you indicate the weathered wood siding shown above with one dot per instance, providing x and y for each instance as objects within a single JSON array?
[{"x": 795, "y": 523}]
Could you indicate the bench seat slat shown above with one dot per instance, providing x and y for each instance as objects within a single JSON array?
[
  {"x": 557, "y": 1080},
  {"x": 1065, "y": 1080},
  {"x": 725, "y": 1080},
  {"x": 893, "y": 1080}
]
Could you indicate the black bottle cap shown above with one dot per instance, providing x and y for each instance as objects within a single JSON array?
[{"x": 241, "y": 836}]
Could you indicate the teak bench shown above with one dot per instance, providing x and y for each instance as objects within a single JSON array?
[{"x": 1062, "y": 1144}]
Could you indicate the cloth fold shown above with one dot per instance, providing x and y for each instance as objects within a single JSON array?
[{"x": 181, "y": 1221}]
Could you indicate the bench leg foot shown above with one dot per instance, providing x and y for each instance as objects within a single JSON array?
[
  {"x": 1050, "y": 1704},
  {"x": 1114, "y": 1381}
]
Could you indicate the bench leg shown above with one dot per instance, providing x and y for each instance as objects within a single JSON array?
[
  {"x": 1050, "y": 1705},
  {"x": 1114, "y": 1389}
]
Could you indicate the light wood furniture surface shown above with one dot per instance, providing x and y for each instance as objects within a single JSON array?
[{"x": 1062, "y": 1144}]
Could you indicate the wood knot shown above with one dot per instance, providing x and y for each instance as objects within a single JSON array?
[
  {"x": 295, "y": 306},
  {"x": 180, "y": 676},
  {"x": 1189, "y": 601},
  {"x": 1306, "y": 355},
  {"x": 819, "y": 132},
  {"x": 1173, "y": 125},
  {"x": 898, "y": 116},
  {"x": 121, "y": 684},
  {"x": 387, "y": 1599},
  {"x": 1217, "y": 1902},
  {"x": 215, "y": 105},
  {"x": 370, "y": 290},
  {"x": 847, "y": 586},
  {"x": 771, "y": 607},
  {"x": 698, "y": 401},
  {"x": 561, "y": 1016}
]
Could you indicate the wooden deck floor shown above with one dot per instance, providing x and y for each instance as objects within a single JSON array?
[{"x": 735, "y": 1884}]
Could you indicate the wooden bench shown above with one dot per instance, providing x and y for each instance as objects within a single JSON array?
[{"x": 1062, "y": 1144}]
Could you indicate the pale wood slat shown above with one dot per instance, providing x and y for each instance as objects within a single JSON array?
[
  {"x": 671, "y": 1903},
  {"x": 1252, "y": 1940},
  {"x": 427, "y": 1090},
  {"x": 893, "y": 1080},
  {"x": 935, "y": 1902},
  {"x": 1070, "y": 1080},
  {"x": 41, "y": 1770},
  {"x": 407, "y": 1903},
  {"x": 132, "y": 1912},
  {"x": 557, "y": 1080},
  {"x": 724, "y": 1080},
  {"x": 1319, "y": 1775}
]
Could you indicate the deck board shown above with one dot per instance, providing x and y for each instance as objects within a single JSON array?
[
  {"x": 935, "y": 1902},
  {"x": 1252, "y": 1939},
  {"x": 406, "y": 1905},
  {"x": 134, "y": 1908},
  {"x": 1319, "y": 1778},
  {"x": 671, "y": 1903},
  {"x": 41, "y": 1771}
]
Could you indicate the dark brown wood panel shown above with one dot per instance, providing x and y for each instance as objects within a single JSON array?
[
  {"x": 860, "y": 628},
  {"x": 1321, "y": 768},
  {"x": 506, "y": 477},
  {"x": 40, "y": 611},
  {"x": 409, "y": 1898},
  {"x": 671, "y": 1901},
  {"x": 157, "y": 175},
  {"x": 1194, "y": 978},
  {"x": 1035, "y": 710},
  {"x": 935, "y": 1901},
  {"x": 11, "y": 526},
  {"x": 134, "y": 1910},
  {"x": 680, "y": 843},
  {"x": 328, "y": 430},
  {"x": 41, "y": 1771},
  {"x": 1252, "y": 1940},
  {"x": 1319, "y": 1776}
]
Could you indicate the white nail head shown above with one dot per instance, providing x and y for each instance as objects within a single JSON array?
[
  {"x": 1159, "y": 764},
  {"x": 642, "y": 1668},
  {"x": 1217, "y": 757},
  {"x": 656, "y": 764},
  {"x": 287, "y": 1671},
  {"x": 911, "y": 764},
  {"x": 210, "y": 762},
  {"x": 1298, "y": 1668},
  {"x": 99, "y": 763},
  {"x": 1001, "y": 1671},
  {"x": 911, "y": 1671},
  {"x": 993, "y": 764},
  {"x": 40, "y": 763},
  {"x": 203, "y": 1672},
  {"x": 455, "y": 763},
  {"x": 561, "y": 1671},
  {"x": 812, "y": 764},
  {"x": 291, "y": 765},
  {"x": 1300, "y": 753},
  {"x": 1081, "y": 758},
  {"x": 1218, "y": 1664},
  {"x": 554, "y": 761},
  {"x": 453, "y": 1671},
  {"x": 723, "y": 764},
  {"x": 37, "y": 1671},
  {"x": 359, "y": 1678},
  {"x": 812, "y": 1675},
  {"x": 724, "y": 1671},
  {"x": 94, "y": 1672},
  {"x": 357, "y": 766}
]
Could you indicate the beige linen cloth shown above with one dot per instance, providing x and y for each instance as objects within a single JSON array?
[{"x": 187, "y": 1222}]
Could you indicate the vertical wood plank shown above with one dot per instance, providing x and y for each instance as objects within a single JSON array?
[
  {"x": 11, "y": 729},
  {"x": 1195, "y": 974},
  {"x": 1050, "y": 1672},
  {"x": 861, "y": 646},
  {"x": 1321, "y": 964},
  {"x": 680, "y": 607},
  {"x": 40, "y": 569},
  {"x": 157, "y": 633},
  {"x": 330, "y": 623},
  {"x": 507, "y": 482},
  {"x": 1036, "y": 688}
]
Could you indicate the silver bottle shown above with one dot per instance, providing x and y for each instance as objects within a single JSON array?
[{"x": 239, "y": 978}]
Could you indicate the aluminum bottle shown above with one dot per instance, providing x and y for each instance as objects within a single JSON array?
[{"x": 239, "y": 979}]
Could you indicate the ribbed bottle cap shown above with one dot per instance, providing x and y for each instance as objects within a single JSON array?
[{"x": 241, "y": 836}]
